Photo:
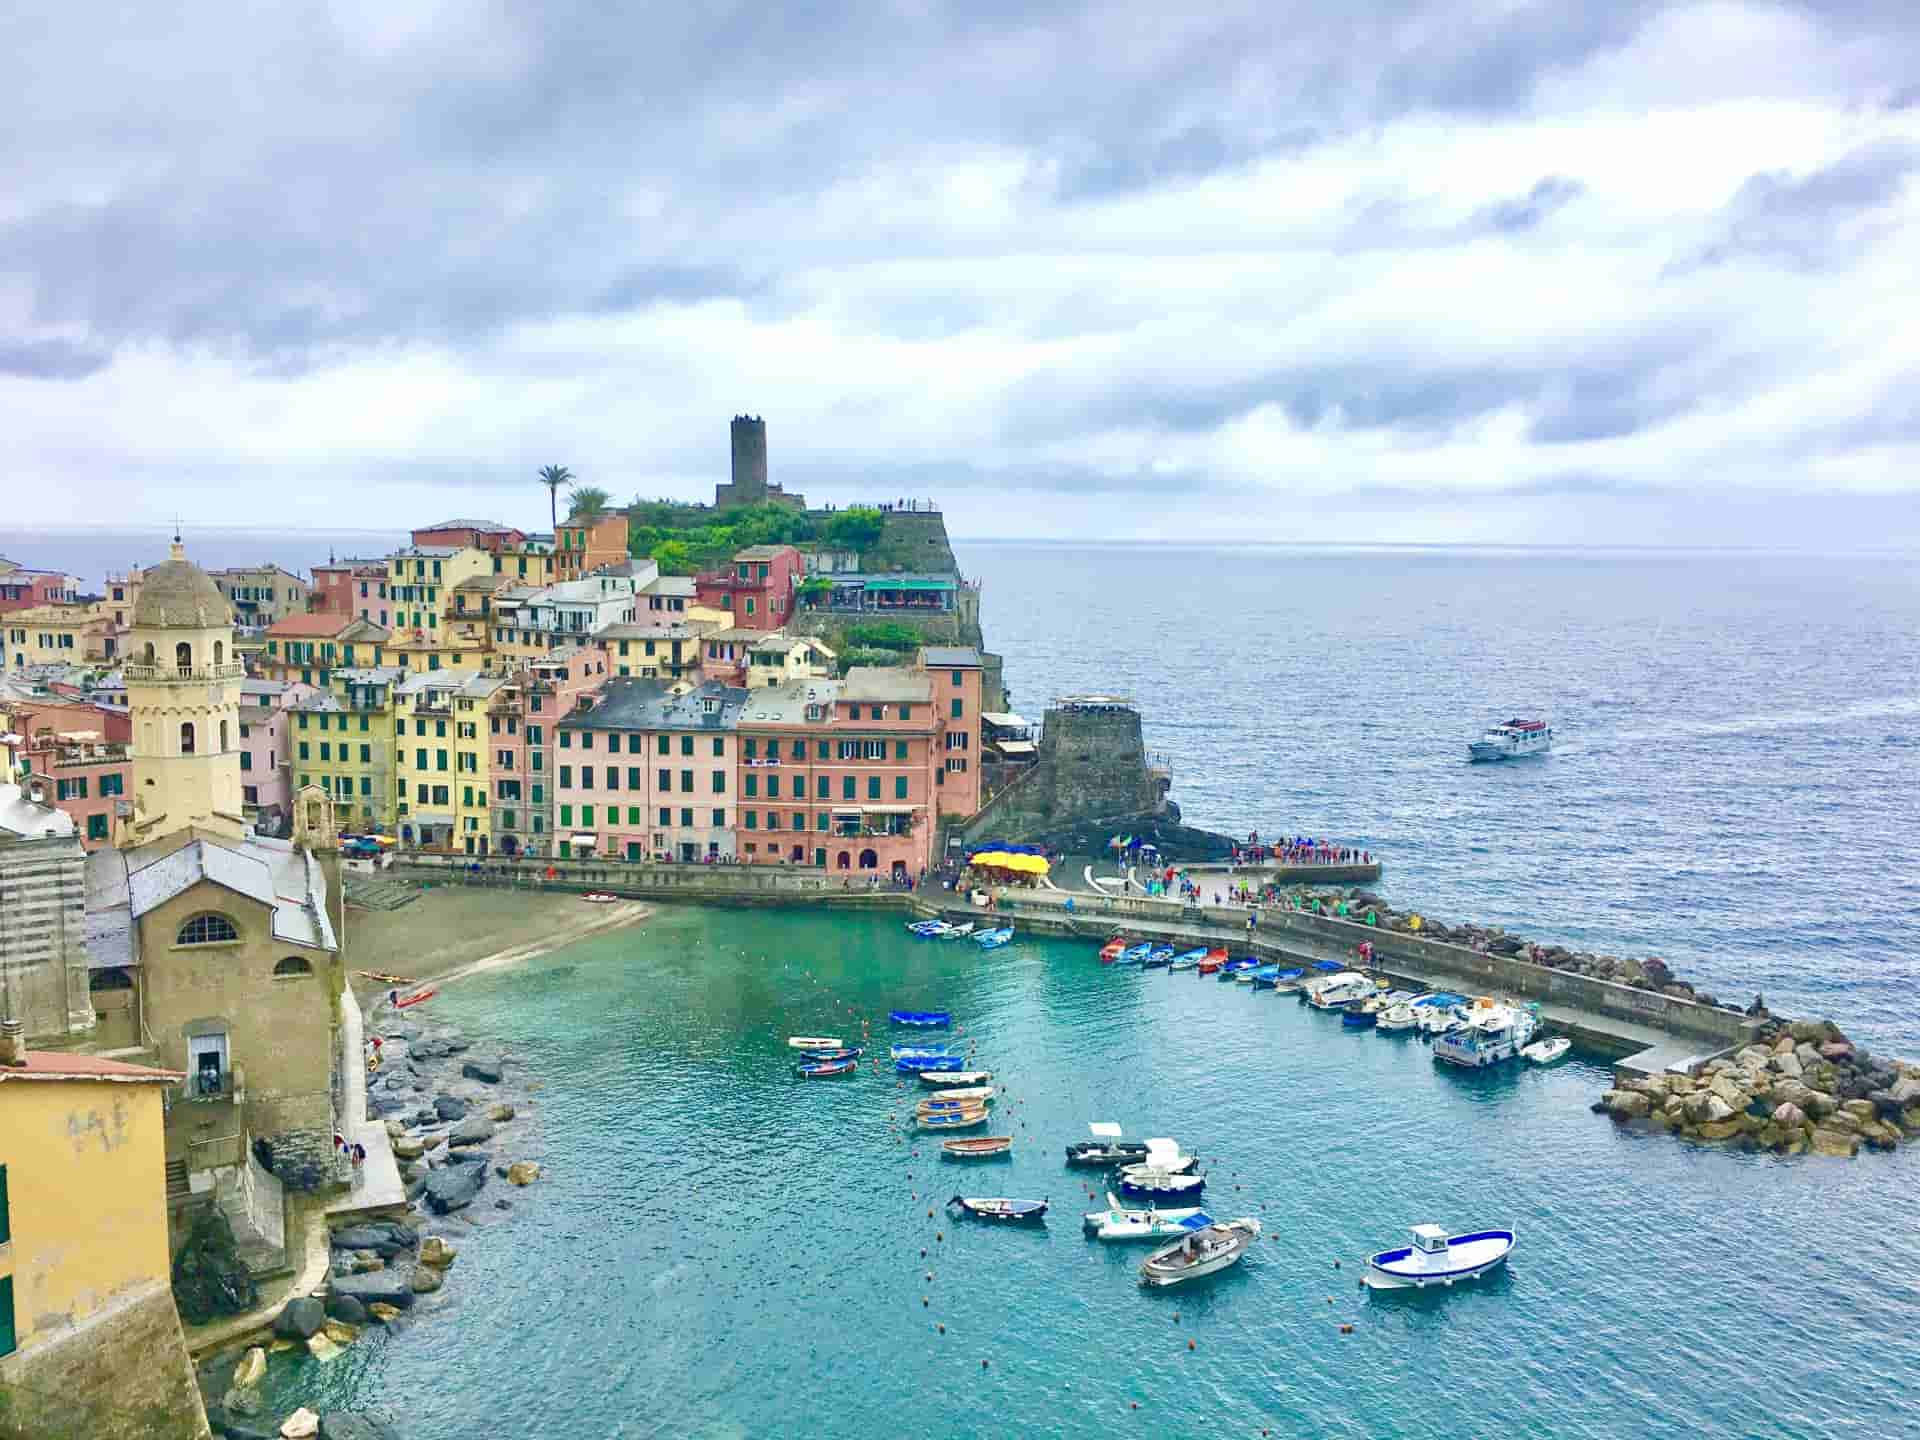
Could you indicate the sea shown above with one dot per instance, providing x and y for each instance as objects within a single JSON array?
[{"x": 721, "y": 1249}]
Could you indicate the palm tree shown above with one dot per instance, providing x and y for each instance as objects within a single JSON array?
[
  {"x": 553, "y": 477},
  {"x": 586, "y": 502}
]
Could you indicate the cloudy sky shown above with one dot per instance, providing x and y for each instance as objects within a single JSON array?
[{"x": 1524, "y": 270}]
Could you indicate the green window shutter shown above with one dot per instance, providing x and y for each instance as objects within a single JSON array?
[
  {"x": 6, "y": 1222},
  {"x": 8, "y": 1343},
  {"x": 899, "y": 787}
]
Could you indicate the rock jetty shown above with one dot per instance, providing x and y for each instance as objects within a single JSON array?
[{"x": 1800, "y": 1086}]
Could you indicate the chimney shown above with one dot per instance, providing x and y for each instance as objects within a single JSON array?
[{"x": 13, "y": 1043}]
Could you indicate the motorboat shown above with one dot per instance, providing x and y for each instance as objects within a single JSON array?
[
  {"x": 1288, "y": 981},
  {"x": 816, "y": 1069},
  {"x": 953, "y": 1119},
  {"x": 1213, "y": 960},
  {"x": 957, "y": 932},
  {"x": 1336, "y": 991},
  {"x": 1201, "y": 1252},
  {"x": 964, "y": 1092},
  {"x": 1159, "y": 955},
  {"x": 1441, "y": 1014},
  {"x": 923, "y": 1052},
  {"x": 1118, "y": 1222},
  {"x": 921, "y": 1019},
  {"x": 1106, "y": 1152},
  {"x": 1359, "y": 1015},
  {"x": 1437, "y": 1258},
  {"x": 1146, "y": 1182},
  {"x": 1493, "y": 1035},
  {"x": 1512, "y": 741},
  {"x": 843, "y": 1053},
  {"x": 977, "y": 1147},
  {"x": 1547, "y": 1052},
  {"x": 1135, "y": 954},
  {"x": 599, "y": 897},
  {"x": 999, "y": 1208},
  {"x": 813, "y": 1042},
  {"x": 1187, "y": 960},
  {"x": 994, "y": 939},
  {"x": 1397, "y": 1019},
  {"x": 1233, "y": 968},
  {"x": 943, "y": 1078}
]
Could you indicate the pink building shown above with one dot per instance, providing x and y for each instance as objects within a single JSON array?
[
  {"x": 264, "y": 744},
  {"x": 86, "y": 779},
  {"x": 757, "y": 589},
  {"x": 22, "y": 589},
  {"x": 523, "y": 722},
  {"x": 353, "y": 588}
]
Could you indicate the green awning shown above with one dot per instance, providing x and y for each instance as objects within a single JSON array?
[{"x": 909, "y": 584}]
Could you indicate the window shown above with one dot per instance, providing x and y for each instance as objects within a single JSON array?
[
  {"x": 686, "y": 745},
  {"x": 539, "y": 794},
  {"x": 753, "y": 819},
  {"x": 959, "y": 708},
  {"x": 566, "y": 814},
  {"x": 566, "y": 739},
  {"x": 208, "y": 929},
  {"x": 666, "y": 816},
  {"x": 662, "y": 745},
  {"x": 686, "y": 818},
  {"x": 773, "y": 819},
  {"x": 366, "y": 753},
  {"x": 665, "y": 778},
  {"x": 292, "y": 965},
  {"x": 633, "y": 744},
  {"x": 186, "y": 736},
  {"x": 899, "y": 749},
  {"x": 96, "y": 827},
  {"x": 586, "y": 740},
  {"x": 847, "y": 791},
  {"x": 873, "y": 787},
  {"x": 773, "y": 787},
  {"x": 906, "y": 712},
  {"x": 633, "y": 780},
  {"x": 586, "y": 814},
  {"x": 613, "y": 777},
  {"x": 633, "y": 814},
  {"x": 719, "y": 819},
  {"x": 752, "y": 782},
  {"x": 686, "y": 782},
  {"x": 820, "y": 821},
  {"x": 899, "y": 787},
  {"x": 825, "y": 788},
  {"x": 720, "y": 747},
  {"x": 719, "y": 782}
]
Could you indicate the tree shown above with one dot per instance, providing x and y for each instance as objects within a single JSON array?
[
  {"x": 586, "y": 502},
  {"x": 553, "y": 477},
  {"x": 856, "y": 529},
  {"x": 673, "y": 557}
]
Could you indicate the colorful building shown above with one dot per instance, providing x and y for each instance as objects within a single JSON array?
[
  {"x": 351, "y": 587},
  {"x": 536, "y": 697},
  {"x": 261, "y": 594},
  {"x": 25, "y": 589},
  {"x": 90, "y": 1342},
  {"x": 533, "y": 623},
  {"x": 85, "y": 776},
  {"x": 582, "y": 546},
  {"x": 363, "y": 773},
  {"x": 757, "y": 591},
  {"x": 76, "y": 633},
  {"x": 441, "y": 762},
  {"x": 488, "y": 535},
  {"x": 43, "y": 931},
  {"x": 652, "y": 651},
  {"x": 309, "y": 648},
  {"x": 958, "y": 683},
  {"x": 265, "y": 744},
  {"x": 647, "y": 772},
  {"x": 429, "y": 632},
  {"x": 529, "y": 562},
  {"x": 883, "y": 594}
]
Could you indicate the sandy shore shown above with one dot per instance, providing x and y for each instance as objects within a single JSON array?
[{"x": 452, "y": 931}]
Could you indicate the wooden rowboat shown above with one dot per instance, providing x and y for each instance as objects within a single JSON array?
[
  {"x": 952, "y": 1120},
  {"x": 965, "y": 1092},
  {"x": 817, "y": 1068},
  {"x": 1000, "y": 1208},
  {"x": 387, "y": 979},
  {"x": 414, "y": 999},
  {"x": 954, "y": 1077},
  {"x": 949, "y": 1107},
  {"x": 813, "y": 1042},
  {"x": 977, "y": 1147}
]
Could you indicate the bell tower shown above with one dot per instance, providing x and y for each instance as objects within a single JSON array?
[{"x": 183, "y": 699}]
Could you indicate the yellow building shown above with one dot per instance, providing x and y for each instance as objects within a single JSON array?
[
  {"x": 77, "y": 634},
  {"x": 308, "y": 648},
  {"x": 342, "y": 741},
  {"x": 654, "y": 651},
  {"x": 441, "y": 764},
  {"x": 438, "y": 620},
  {"x": 90, "y": 1343},
  {"x": 529, "y": 563}
]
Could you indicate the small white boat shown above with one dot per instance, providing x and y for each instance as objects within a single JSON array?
[
  {"x": 1513, "y": 740},
  {"x": 956, "y": 932},
  {"x": 1547, "y": 1052},
  {"x": 1118, "y": 1222},
  {"x": 813, "y": 1042},
  {"x": 928, "y": 929},
  {"x": 1204, "y": 1252},
  {"x": 1436, "y": 1258},
  {"x": 1438, "y": 1019},
  {"x": 1397, "y": 1019},
  {"x": 965, "y": 1092},
  {"x": 1337, "y": 990}
]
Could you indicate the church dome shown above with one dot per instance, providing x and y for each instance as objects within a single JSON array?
[{"x": 178, "y": 594}]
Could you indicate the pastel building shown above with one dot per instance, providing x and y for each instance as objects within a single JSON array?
[
  {"x": 307, "y": 648},
  {"x": 351, "y": 587},
  {"x": 652, "y": 651},
  {"x": 440, "y": 765},
  {"x": 22, "y": 588},
  {"x": 584, "y": 545},
  {"x": 76, "y": 633},
  {"x": 529, "y": 707},
  {"x": 261, "y": 594},
  {"x": 421, "y": 582},
  {"x": 757, "y": 591},
  {"x": 265, "y": 738},
  {"x": 647, "y": 772},
  {"x": 87, "y": 777}
]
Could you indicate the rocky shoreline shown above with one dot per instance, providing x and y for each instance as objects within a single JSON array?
[
  {"x": 460, "y": 1121},
  {"x": 1801, "y": 1086}
]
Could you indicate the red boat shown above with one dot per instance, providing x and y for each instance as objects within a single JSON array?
[
  {"x": 414, "y": 999},
  {"x": 1215, "y": 959},
  {"x": 1110, "y": 951}
]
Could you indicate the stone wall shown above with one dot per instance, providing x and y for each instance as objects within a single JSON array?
[
  {"x": 43, "y": 892},
  {"x": 1092, "y": 766},
  {"x": 121, "y": 1375},
  {"x": 695, "y": 884}
]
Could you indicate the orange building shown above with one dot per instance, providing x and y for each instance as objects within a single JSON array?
[{"x": 582, "y": 546}]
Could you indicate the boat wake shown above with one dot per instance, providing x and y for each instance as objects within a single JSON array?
[{"x": 1838, "y": 715}]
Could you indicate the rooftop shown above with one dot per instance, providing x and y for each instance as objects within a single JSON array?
[
  {"x": 22, "y": 819},
  {"x": 321, "y": 625},
  {"x": 653, "y": 705},
  {"x": 485, "y": 527},
  {"x": 885, "y": 683},
  {"x": 58, "y": 1065},
  {"x": 287, "y": 881},
  {"x": 950, "y": 657},
  {"x": 425, "y": 552},
  {"x": 638, "y": 630},
  {"x": 762, "y": 552},
  {"x": 787, "y": 704}
]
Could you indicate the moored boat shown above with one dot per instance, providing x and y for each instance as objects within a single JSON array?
[
  {"x": 1202, "y": 1252},
  {"x": 924, "y": 1065},
  {"x": 921, "y": 1019},
  {"x": 1186, "y": 960},
  {"x": 1000, "y": 1208},
  {"x": 978, "y": 1147},
  {"x": 599, "y": 897},
  {"x": 1106, "y": 1152},
  {"x": 1159, "y": 955},
  {"x": 953, "y": 1119},
  {"x": 1492, "y": 1035},
  {"x": 1265, "y": 978},
  {"x": 1288, "y": 981},
  {"x": 964, "y": 1092},
  {"x": 993, "y": 939},
  {"x": 1357, "y": 1015},
  {"x": 923, "y": 1052},
  {"x": 1232, "y": 969},
  {"x": 416, "y": 998},
  {"x": 1112, "y": 950},
  {"x": 1135, "y": 954},
  {"x": 813, "y": 1042},
  {"x": 843, "y": 1053},
  {"x": 928, "y": 929},
  {"x": 1148, "y": 1182},
  {"x": 1397, "y": 1019},
  {"x": 1436, "y": 1258},
  {"x": 1547, "y": 1052},
  {"x": 816, "y": 1069},
  {"x": 945, "y": 1078},
  {"x": 1336, "y": 991},
  {"x": 933, "y": 1105},
  {"x": 1119, "y": 1222}
]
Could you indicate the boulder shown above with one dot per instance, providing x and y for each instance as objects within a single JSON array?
[
  {"x": 523, "y": 1172},
  {"x": 454, "y": 1187},
  {"x": 409, "y": 1147},
  {"x": 379, "y": 1310},
  {"x": 482, "y": 1067},
  {"x": 1789, "y": 1065},
  {"x": 1626, "y": 1104},
  {"x": 427, "y": 1279},
  {"x": 1860, "y": 1109},
  {"x": 341, "y": 1333},
  {"x": 1836, "y": 1050},
  {"x": 346, "y": 1309},
  {"x": 387, "y": 1287},
  {"x": 302, "y": 1316},
  {"x": 1752, "y": 1056},
  {"x": 385, "y": 1241},
  {"x": 242, "y": 1400},
  {"x": 449, "y": 1107},
  {"x": 1807, "y": 1054},
  {"x": 209, "y": 1277},
  {"x": 1695, "y": 1106},
  {"x": 1783, "y": 1045},
  {"x": 302, "y": 1424},
  {"x": 1808, "y": 1032},
  {"x": 1792, "y": 1092},
  {"x": 1835, "y": 1142},
  {"x": 350, "y": 1425},
  {"x": 1718, "y": 1111},
  {"x": 455, "y": 1042},
  {"x": 471, "y": 1131},
  {"x": 500, "y": 1113},
  {"x": 1789, "y": 1116},
  {"x": 437, "y": 1252},
  {"x": 1879, "y": 1135},
  {"x": 1819, "y": 1104},
  {"x": 249, "y": 1369},
  {"x": 1905, "y": 1091},
  {"x": 1728, "y": 1090},
  {"x": 1722, "y": 1129}
]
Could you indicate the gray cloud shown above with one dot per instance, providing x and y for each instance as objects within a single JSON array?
[
  {"x": 1524, "y": 212},
  {"x": 50, "y": 359},
  {"x": 1808, "y": 221}
]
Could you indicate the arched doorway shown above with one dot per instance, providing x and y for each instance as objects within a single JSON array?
[
  {"x": 483, "y": 844},
  {"x": 509, "y": 845},
  {"x": 186, "y": 737},
  {"x": 845, "y": 860},
  {"x": 869, "y": 860},
  {"x": 406, "y": 834},
  {"x": 111, "y": 994},
  {"x": 899, "y": 872}
]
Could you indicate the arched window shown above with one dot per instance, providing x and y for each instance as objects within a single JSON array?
[
  {"x": 208, "y": 929},
  {"x": 845, "y": 861},
  {"x": 219, "y": 653},
  {"x": 186, "y": 738},
  {"x": 869, "y": 860},
  {"x": 111, "y": 978},
  {"x": 292, "y": 965},
  {"x": 147, "y": 654},
  {"x": 183, "y": 656},
  {"x": 223, "y": 737}
]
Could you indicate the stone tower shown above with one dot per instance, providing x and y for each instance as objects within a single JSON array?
[
  {"x": 183, "y": 699},
  {"x": 749, "y": 460}
]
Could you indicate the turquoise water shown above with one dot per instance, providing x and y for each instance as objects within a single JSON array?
[{"x": 722, "y": 1249}]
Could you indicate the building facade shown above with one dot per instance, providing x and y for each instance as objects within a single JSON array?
[
  {"x": 583, "y": 546},
  {"x": 758, "y": 590},
  {"x": 307, "y": 649},
  {"x": 43, "y": 920},
  {"x": 351, "y": 587},
  {"x": 261, "y": 595}
]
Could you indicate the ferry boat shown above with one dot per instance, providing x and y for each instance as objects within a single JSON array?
[
  {"x": 1513, "y": 740},
  {"x": 1493, "y": 1034}
]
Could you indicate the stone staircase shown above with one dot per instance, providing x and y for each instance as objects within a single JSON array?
[
  {"x": 373, "y": 892},
  {"x": 177, "y": 1187}
]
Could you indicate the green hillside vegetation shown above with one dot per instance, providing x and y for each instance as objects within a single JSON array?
[{"x": 685, "y": 539}]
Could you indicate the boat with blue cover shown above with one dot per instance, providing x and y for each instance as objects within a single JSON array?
[
  {"x": 994, "y": 939},
  {"x": 1358, "y": 1015},
  {"x": 1329, "y": 967},
  {"x": 928, "y": 929},
  {"x": 1159, "y": 955},
  {"x": 1187, "y": 960},
  {"x": 1232, "y": 969},
  {"x": 922, "y": 1052},
  {"x": 844, "y": 1052},
  {"x": 921, "y": 1019},
  {"x": 1437, "y": 1258},
  {"x": 1135, "y": 954},
  {"x": 1266, "y": 977},
  {"x": 956, "y": 932},
  {"x": 923, "y": 1065},
  {"x": 1288, "y": 981},
  {"x": 953, "y": 1119}
]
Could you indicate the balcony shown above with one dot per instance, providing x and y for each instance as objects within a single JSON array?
[{"x": 186, "y": 674}]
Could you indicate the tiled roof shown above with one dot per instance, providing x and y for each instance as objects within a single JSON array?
[
  {"x": 885, "y": 683},
  {"x": 58, "y": 1065},
  {"x": 321, "y": 624},
  {"x": 951, "y": 656},
  {"x": 485, "y": 527}
]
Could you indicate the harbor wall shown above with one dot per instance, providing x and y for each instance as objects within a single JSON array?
[{"x": 693, "y": 884}]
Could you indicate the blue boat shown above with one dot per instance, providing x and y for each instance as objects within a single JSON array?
[
  {"x": 1355, "y": 1018},
  {"x": 1233, "y": 967},
  {"x": 921, "y": 1052},
  {"x": 994, "y": 939},
  {"x": 1266, "y": 977},
  {"x": 1288, "y": 979},
  {"x": 1331, "y": 967},
  {"x": 1159, "y": 955},
  {"x": 920, "y": 1064},
  {"x": 922, "y": 1019},
  {"x": 1135, "y": 954},
  {"x": 1188, "y": 960},
  {"x": 853, "y": 1052}
]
